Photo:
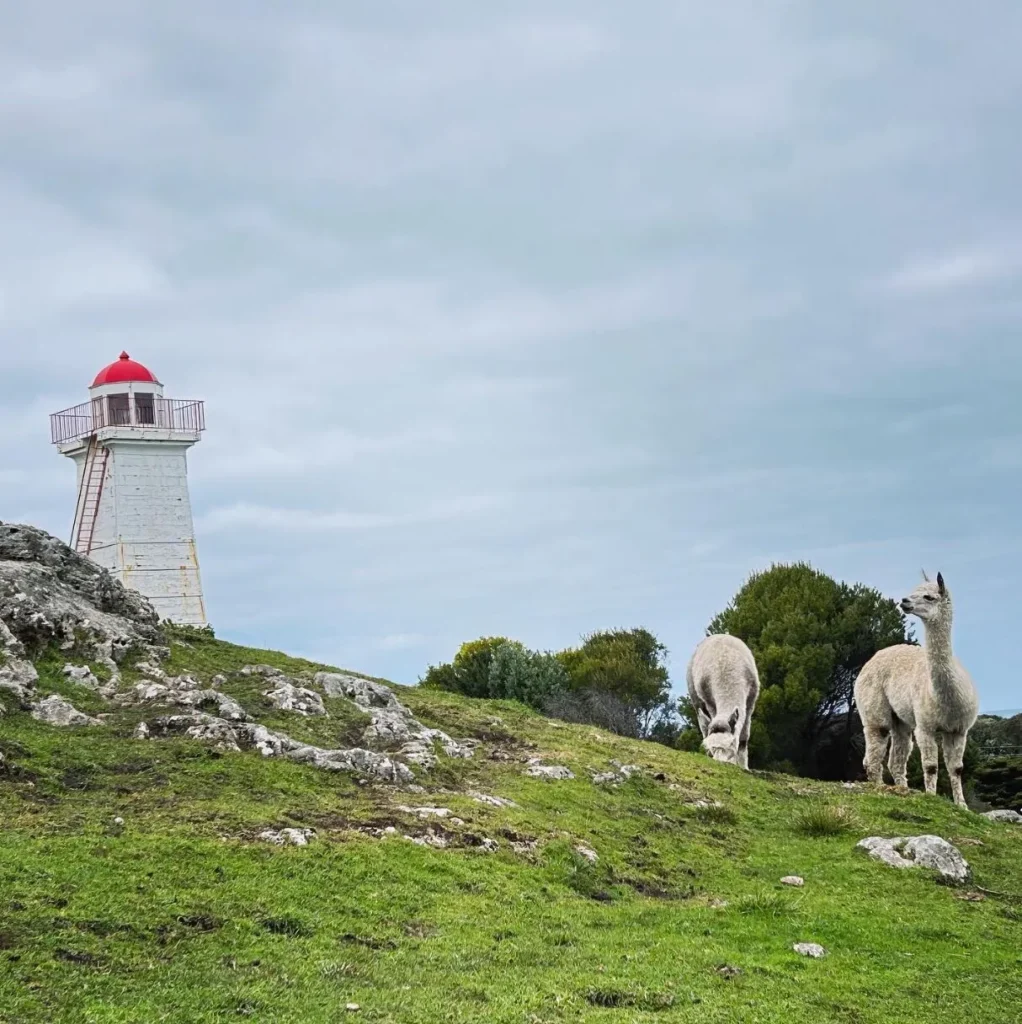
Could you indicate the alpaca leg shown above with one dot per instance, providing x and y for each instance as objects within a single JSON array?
[
  {"x": 743, "y": 746},
  {"x": 928, "y": 752},
  {"x": 901, "y": 748},
  {"x": 953, "y": 744},
  {"x": 876, "y": 746}
]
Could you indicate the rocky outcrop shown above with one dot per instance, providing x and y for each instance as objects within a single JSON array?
[
  {"x": 919, "y": 852},
  {"x": 50, "y": 595},
  {"x": 237, "y": 736},
  {"x": 285, "y": 696},
  {"x": 391, "y": 723},
  {"x": 184, "y": 691}
]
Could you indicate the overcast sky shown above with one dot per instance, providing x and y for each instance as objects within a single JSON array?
[{"x": 532, "y": 318}]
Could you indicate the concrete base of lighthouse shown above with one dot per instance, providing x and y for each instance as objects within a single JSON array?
[{"x": 144, "y": 533}]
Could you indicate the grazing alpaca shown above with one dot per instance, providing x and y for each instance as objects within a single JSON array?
[
  {"x": 723, "y": 685},
  {"x": 925, "y": 690}
]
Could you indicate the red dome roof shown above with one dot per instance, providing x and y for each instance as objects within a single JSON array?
[{"x": 123, "y": 371}]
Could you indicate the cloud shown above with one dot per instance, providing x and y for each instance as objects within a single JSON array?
[
  {"x": 527, "y": 319},
  {"x": 262, "y": 517},
  {"x": 955, "y": 270}
]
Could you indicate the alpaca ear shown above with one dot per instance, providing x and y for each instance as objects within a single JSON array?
[
  {"x": 733, "y": 720},
  {"x": 940, "y": 585}
]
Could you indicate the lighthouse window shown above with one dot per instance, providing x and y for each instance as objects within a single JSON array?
[
  {"x": 145, "y": 411},
  {"x": 119, "y": 409}
]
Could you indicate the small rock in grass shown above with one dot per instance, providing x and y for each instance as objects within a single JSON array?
[
  {"x": 793, "y": 880},
  {"x": 141, "y": 731},
  {"x": 118, "y": 821},
  {"x": 727, "y": 971},
  {"x": 548, "y": 771},
  {"x": 812, "y": 949},
  {"x": 588, "y": 852},
  {"x": 288, "y": 836},
  {"x": 491, "y": 801},
  {"x": 427, "y": 812},
  {"x": 353, "y": 1007}
]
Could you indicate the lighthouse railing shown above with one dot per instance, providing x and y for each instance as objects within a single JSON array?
[{"x": 181, "y": 415}]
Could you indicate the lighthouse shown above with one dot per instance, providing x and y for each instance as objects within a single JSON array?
[{"x": 133, "y": 515}]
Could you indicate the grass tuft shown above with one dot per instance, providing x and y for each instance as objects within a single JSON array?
[{"x": 824, "y": 820}]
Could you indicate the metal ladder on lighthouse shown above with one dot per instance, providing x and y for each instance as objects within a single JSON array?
[{"x": 89, "y": 494}]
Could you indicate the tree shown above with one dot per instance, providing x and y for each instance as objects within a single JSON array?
[
  {"x": 629, "y": 664},
  {"x": 810, "y": 635}
]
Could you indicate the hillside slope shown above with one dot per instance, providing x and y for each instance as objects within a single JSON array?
[{"x": 135, "y": 884}]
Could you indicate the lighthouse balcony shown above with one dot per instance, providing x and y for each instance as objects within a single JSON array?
[{"x": 140, "y": 414}]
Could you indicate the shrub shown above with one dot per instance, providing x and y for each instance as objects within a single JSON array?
[
  {"x": 499, "y": 668},
  {"x": 531, "y": 677}
]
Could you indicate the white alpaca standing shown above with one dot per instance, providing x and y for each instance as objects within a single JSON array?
[
  {"x": 925, "y": 690},
  {"x": 723, "y": 685}
]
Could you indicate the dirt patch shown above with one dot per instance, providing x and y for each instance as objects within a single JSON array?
[{"x": 367, "y": 942}]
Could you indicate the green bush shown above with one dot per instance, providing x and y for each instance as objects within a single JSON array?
[
  {"x": 501, "y": 669},
  {"x": 998, "y": 782}
]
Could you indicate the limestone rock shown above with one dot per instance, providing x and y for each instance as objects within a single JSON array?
[
  {"x": 55, "y": 710},
  {"x": 812, "y": 949},
  {"x": 267, "y": 671},
  {"x": 185, "y": 692},
  {"x": 1005, "y": 815},
  {"x": 286, "y": 696},
  {"x": 587, "y": 852},
  {"x": 288, "y": 836},
  {"x": 618, "y": 774},
  {"x": 50, "y": 595},
  {"x": 426, "y": 812},
  {"x": 919, "y": 852},
  {"x": 793, "y": 880},
  {"x": 492, "y": 801},
  {"x": 391, "y": 724},
  {"x": 536, "y": 770},
  {"x": 82, "y": 675}
]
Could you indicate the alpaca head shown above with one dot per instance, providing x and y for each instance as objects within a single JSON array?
[
  {"x": 930, "y": 601},
  {"x": 721, "y": 740}
]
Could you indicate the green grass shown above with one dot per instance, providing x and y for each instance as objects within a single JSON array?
[{"x": 179, "y": 915}]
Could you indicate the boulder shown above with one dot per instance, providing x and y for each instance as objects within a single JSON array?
[
  {"x": 1013, "y": 817},
  {"x": 55, "y": 710},
  {"x": 919, "y": 852}
]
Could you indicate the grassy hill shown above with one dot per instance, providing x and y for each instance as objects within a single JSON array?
[{"x": 134, "y": 887}]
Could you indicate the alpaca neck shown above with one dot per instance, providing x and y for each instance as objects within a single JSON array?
[{"x": 940, "y": 658}]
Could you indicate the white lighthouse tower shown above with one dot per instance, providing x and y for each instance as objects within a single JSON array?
[{"x": 133, "y": 516}]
